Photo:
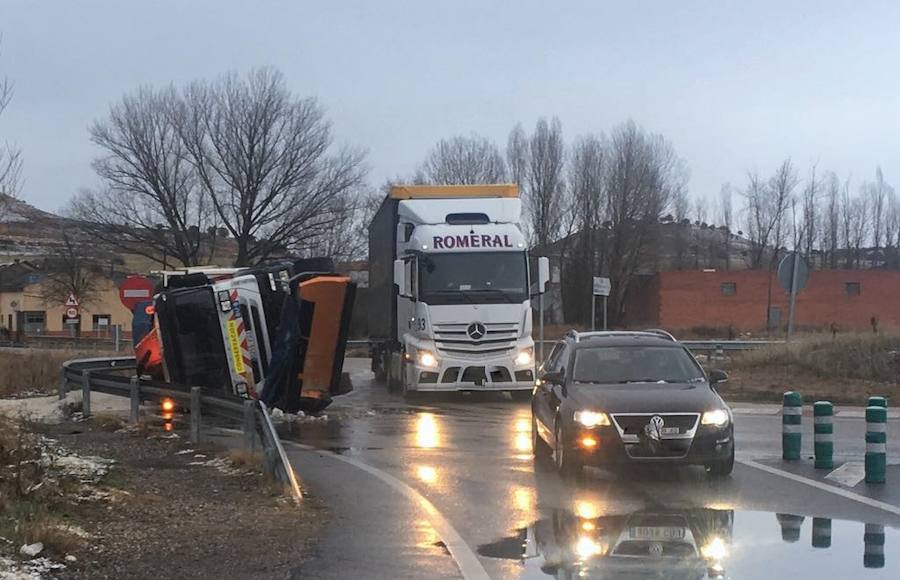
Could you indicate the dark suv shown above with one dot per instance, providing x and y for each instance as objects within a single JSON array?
[{"x": 612, "y": 398}]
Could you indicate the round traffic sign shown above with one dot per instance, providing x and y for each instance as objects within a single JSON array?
[
  {"x": 790, "y": 265},
  {"x": 134, "y": 290},
  {"x": 71, "y": 312}
]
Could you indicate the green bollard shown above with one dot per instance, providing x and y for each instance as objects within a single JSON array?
[
  {"x": 821, "y": 533},
  {"x": 791, "y": 418},
  {"x": 873, "y": 546},
  {"x": 877, "y": 401},
  {"x": 790, "y": 526},
  {"x": 876, "y": 444},
  {"x": 823, "y": 434}
]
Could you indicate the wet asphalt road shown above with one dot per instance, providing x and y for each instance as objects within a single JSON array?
[{"x": 487, "y": 501}]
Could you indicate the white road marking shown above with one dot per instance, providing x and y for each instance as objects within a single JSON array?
[
  {"x": 848, "y": 474},
  {"x": 874, "y": 503},
  {"x": 465, "y": 558}
]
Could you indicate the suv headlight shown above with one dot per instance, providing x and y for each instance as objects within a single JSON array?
[
  {"x": 525, "y": 356},
  {"x": 426, "y": 358},
  {"x": 591, "y": 418},
  {"x": 716, "y": 418}
]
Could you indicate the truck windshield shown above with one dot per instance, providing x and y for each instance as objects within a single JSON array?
[{"x": 473, "y": 277}]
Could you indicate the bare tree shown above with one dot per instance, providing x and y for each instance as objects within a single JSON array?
[
  {"x": 517, "y": 154},
  {"x": 767, "y": 203},
  {"x": 831, "y": 234},
  {"x": 644, "y": 175},
  {"x": 464, "y": 160},
  {"x": 265, "y": 160},
  {"x": 726, "y": 216},
  {"x": 877, "y": 193},
  {"x": 10, "y": 154},
  {"x": 809, "y": 231},
  {"x": 859, "y": 227},
  {"x": 150, "y": 203},
  {"x": 73, "y": 268},
  {"x": 544, "y": 192}
]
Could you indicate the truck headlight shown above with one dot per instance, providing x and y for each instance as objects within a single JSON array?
[
  {"x": 525, "y": 357},
  {"x": 716, "y": 418},
  {"x": 427, "y": 359},
  {"x": 591, "y": 418}
]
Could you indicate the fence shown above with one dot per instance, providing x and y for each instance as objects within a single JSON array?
[{"x": 98, "y": 374}]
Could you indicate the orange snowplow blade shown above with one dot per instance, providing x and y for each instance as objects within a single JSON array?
[{"x": 328, "y": 300}]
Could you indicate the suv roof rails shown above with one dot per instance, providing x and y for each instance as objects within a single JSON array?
[{"x": 578, "y": 336}]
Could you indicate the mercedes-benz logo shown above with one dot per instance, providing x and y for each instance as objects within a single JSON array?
[
  {"x": 654, "y": 428},
  {"x": 476, "y": 331}
]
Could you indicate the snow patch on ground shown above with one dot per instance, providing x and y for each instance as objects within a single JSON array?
[
  {"x": 279, "y": 416},
  {"x": 34, "y": 569}
]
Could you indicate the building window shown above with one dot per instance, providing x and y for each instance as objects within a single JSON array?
[
  {"x": 102, "y": 322},
  {"x": 852, "y": 288},
  {"x": 34, "y": 322},
  {"x": 729, "y": 288}
]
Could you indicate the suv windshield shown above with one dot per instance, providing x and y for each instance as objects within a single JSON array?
[
  {"x": 635, "y": 364},
  {"x": 480, "y": 277}
]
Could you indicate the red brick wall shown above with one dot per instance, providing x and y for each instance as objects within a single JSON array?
[{"x": 690, "y": 299}]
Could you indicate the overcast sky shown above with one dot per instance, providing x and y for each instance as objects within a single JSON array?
[{"x": 733, "y": 85}]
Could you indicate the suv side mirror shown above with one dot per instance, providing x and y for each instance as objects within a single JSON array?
[
  {"x": 554, "y": 377},
  {"x": 717, "y": 377}
]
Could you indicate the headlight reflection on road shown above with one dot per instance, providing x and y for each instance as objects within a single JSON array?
[
  {"x": 427, "y": 474},
  {"x": 587, "y": 547},
  {"x": 521, "y": 438},
  {"x": 716, "y": 549},
  {"x": 523, "y": 498},
  {"x": 427, "y": 432},
  {"x": 587, "y": 510}
]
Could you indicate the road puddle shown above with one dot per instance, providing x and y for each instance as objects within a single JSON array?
[{"x": 697, "y": 543}]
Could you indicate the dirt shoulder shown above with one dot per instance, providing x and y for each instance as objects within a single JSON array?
[
  {"x": 769, "y": 385},
  {"x": 168, "y": 509}
]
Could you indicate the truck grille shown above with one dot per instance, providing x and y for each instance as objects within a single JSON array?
[{"x": 499, "y": 338}]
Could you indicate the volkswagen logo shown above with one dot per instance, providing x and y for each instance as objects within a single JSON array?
[
  {"x": 476, "y": 331},
  {"x": 654, "y": 427}
]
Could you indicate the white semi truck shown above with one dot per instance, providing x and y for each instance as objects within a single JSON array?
[{"x": 450, "y": 291}]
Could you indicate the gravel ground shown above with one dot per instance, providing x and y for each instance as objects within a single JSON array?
[{"x": 168, "y": 510}]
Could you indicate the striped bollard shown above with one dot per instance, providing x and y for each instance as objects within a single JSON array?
[
  {"x": 877, "y": 401},
  {"x": 876, "y": 444},
  {"x": 823, "y": 434},
  {"x": 821, "y": 533},
  {"x": 791, "y": 418},
  {"x": 873, "y": 539},
  {"x": 790, "y": 526}
]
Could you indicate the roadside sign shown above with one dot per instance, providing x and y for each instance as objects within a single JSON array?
[
  {"x": 601, "y": 286},
  {"x": 71, "y": 312},
  {"x": 134, "y": 290},
  {"x": 786, "y": 272},
  {"x": 71, "y": 300}
]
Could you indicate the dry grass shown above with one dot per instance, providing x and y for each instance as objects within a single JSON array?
[
  {"x": 246, "y": 460},
  {"x": 854, "y": 356},
  {"x": 27, "y": 371},
  {"x": 58, "y": 538},
  {"x": 108, "y": 421}
]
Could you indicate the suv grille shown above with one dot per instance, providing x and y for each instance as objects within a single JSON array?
[{"x": 453, "y": 339}]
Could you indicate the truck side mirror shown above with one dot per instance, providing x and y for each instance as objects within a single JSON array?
[
  {"x": 400, "y": 278},
  {"x": 543, "y": 274}
]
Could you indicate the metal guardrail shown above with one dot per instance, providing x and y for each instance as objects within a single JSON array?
[{"x": 96, "y": 374}]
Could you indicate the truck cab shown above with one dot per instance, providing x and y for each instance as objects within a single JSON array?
[{"x": 460, "y": 304}]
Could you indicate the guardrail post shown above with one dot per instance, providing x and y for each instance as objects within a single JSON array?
[
  {"x": 876, "y": 444},
  {"x": 873, "y": 546},
  {"x": 791, "y": 419},
  {"x": 821, "y": 533},
  {"x": 249, "y": 424},
  {"x": 86, "y": 394},
  {"x": 135, "y": 394},
  {"x": 63, "y": 387},
  {"x": 195, "y": 414},
  {"x": 823, "y": 434}
]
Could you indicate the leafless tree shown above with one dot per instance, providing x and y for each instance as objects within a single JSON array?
[
  {"x": 644, "y": 175},
  {"x": 464, "y": 160},
  {"x": 726, "y": 216},
  {"x": 73, "y": 268},
  {"x": 892, "y": 232},
  {"x": 831, "y": 234},
  {"x": 809, "y": 231},
  {"x": 877, "y": 193},
  {"x": 150, "y": 202},
  {"x": 10, "y": 154},
  {"x": 517, "y": 154},
  {"x": 265, "y": 160},
  {"x": 348, "y": 240},
  {"x": 767, "y": 202},
  {"x": 541, "y": 178},
  {"x": 586, "y": 179},
  {"x": 859, "y": 227}
]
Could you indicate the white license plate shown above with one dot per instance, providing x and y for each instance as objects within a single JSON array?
[
  {"x": 656, "y": 533},
  {"x": 670, "y": 430}
]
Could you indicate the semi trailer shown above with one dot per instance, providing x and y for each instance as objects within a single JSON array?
[{"x": 450, "y": 290}]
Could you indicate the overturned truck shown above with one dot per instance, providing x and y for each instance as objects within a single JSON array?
[{"x": 276, "y": 332}]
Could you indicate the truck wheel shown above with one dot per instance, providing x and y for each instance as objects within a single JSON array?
[{"x": 392, "y": 373}]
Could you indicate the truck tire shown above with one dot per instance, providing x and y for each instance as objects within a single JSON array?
[{"x": 392, "y": 366}]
